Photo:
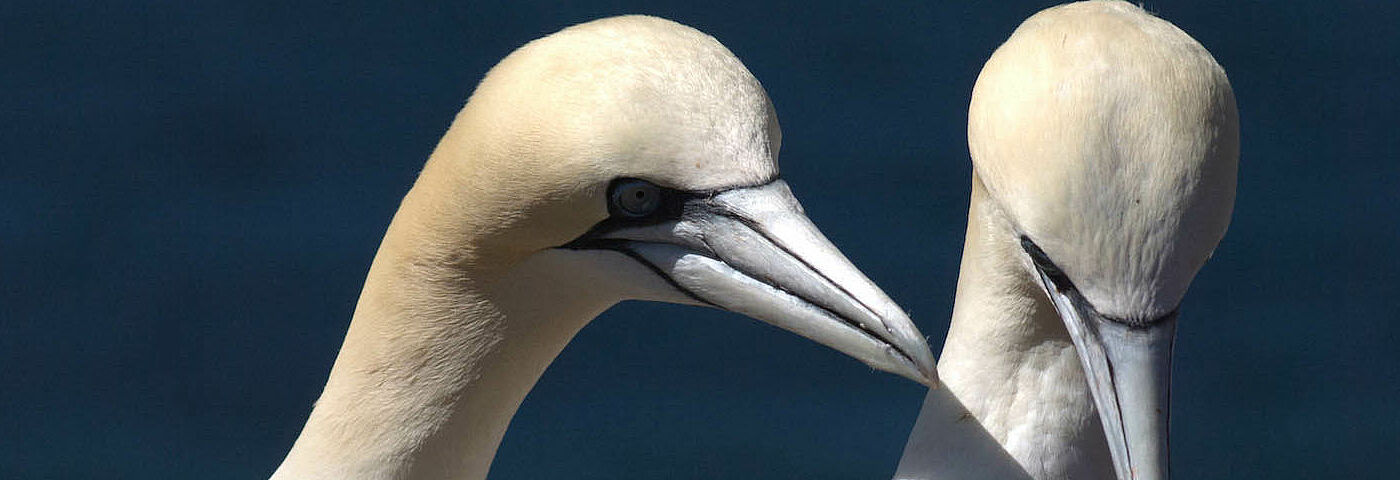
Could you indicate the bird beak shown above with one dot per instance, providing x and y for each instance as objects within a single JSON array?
[
  {"x": 753, "y": 251},
  {"x": 1129, "y": 371}
]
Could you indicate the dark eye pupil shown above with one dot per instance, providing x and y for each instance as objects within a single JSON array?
[{"x": 636, "y": 198}]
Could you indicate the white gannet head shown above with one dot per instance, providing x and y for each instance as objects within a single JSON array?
[
  {"x": 640, "y": 141},
  {"x": 1110, "y": 140}
]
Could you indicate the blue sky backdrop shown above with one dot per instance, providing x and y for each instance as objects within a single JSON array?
[{"x": 191, "y": 193}]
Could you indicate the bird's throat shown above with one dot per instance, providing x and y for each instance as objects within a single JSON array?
[
  {"x": 1009, "y": 359},
  {"x": 434, "y": 366}
]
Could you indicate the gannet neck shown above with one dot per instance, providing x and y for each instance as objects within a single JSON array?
[
  {"x": 1009, "y": 359},
  {"x": 454, "y": 325},
  {"x": 438, "y": 358}
]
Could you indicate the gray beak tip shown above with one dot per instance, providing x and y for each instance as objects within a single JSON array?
[
  {"x": 917, "y": 365},
  {"x": 928, "y": 371}
]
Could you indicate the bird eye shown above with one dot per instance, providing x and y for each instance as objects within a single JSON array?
[{"x": 635, "y": 198}]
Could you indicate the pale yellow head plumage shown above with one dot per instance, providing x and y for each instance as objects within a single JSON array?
[
  {"x": 527, "y": 161},
  {"x": 631, "y": 95},
  {"x": 1111, "y": 139},
  {"x": 534, "y": 163}
]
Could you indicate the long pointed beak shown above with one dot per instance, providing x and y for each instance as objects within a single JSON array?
[
  {"x": 753, "y": 251},
  {"x": 1129, "y": 371}
]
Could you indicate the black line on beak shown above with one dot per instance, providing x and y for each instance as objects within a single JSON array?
[
  {"x": 622, "y": 246},
  {"x": 756, "y": 227},
  {"x": 679, "y": 204}
]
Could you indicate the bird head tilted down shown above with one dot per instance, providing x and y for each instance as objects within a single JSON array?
[{"x": 1110, "y": 141}]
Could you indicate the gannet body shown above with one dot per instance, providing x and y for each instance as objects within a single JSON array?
[
  {"x": 1105, "y": 146},
  {"x": 626, "y": 158}
]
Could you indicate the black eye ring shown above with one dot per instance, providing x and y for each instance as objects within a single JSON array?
[{"x": 634, "y": 198}]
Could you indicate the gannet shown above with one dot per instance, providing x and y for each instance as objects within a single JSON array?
[
  {"x": 625, "y": 158},
  {"x": 1104, "y": 144}
]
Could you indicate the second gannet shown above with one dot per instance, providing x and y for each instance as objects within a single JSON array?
[{"x": 1105, "y": 145}]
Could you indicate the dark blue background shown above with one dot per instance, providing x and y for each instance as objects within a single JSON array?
[{"x": 191, "y": 193}]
